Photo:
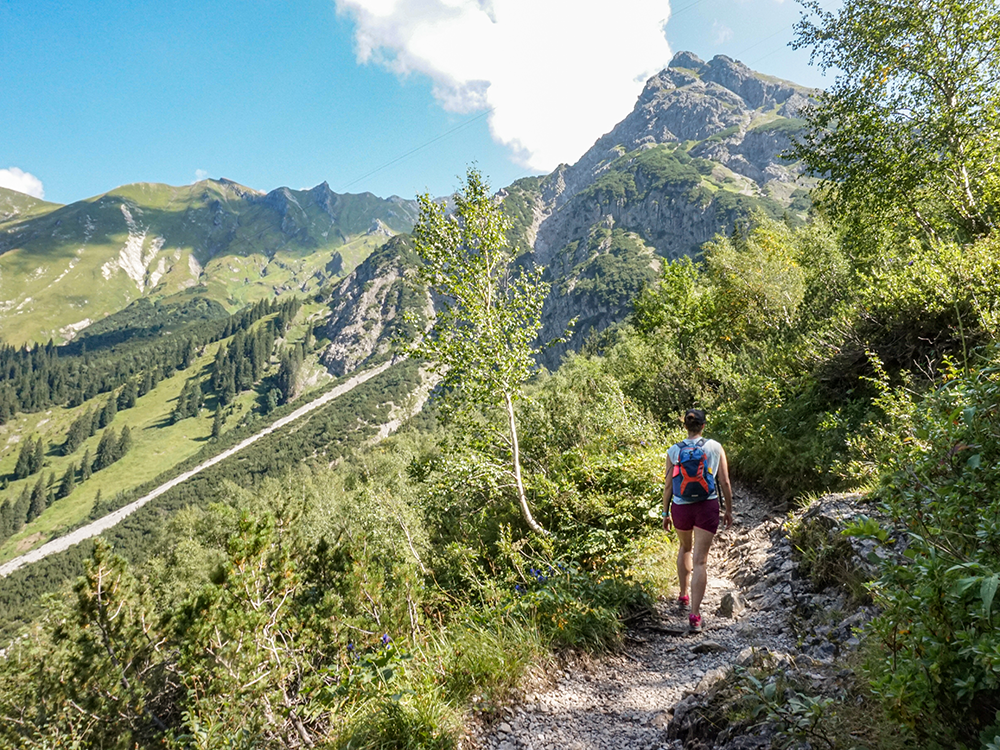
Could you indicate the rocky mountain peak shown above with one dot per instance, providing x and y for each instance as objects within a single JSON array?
[
  {"x": 756, "y": 91},
  {"x": 325, "y": 198},
  {"x": 702, "y": 146},
  {"x": 282, "y": 201},
  {"x": 691, "y": 100},
  {"x": 378, "y": 229},
  {"x": 687, "y": 60},
  {"x": 236, "y": 189}
]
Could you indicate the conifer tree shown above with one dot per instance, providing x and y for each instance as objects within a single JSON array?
[
  {"x": 190, "y": 352},
  {"x": 180, "y": 408},
  {"x": 79, "y": 431},
  {"x": 39, "y": 500},
  {"x": 291, "y": 363},
  {"x": 196, "y": 400},
  {"x": 6, "y": 519},
  {"x": 109, "y": 411},
  {"x": 271, "y": 400},
  {"x": 217, "y": 423},
  {"x": 38, "y": 456},
  {"x": 85, "y": 466},
  {"x": 124, "y": 443},
  {"x": 106, "y": 450},
  {"x": 219, "y": 368},
  {"x": 24, "y": 459},
  {"x": 50, "y": 489},
  {"x": 128, "y": 395},
  {"x": 97, "y": 510},
  {"x": 257, "y": 360},
  {"x": 21, "y": 510},
  {"x": 68, "y": 483}
]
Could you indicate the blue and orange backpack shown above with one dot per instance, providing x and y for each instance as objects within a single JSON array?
[{"x": 693, "y": 478}]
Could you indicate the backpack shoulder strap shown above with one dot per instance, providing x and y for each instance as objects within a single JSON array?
[{"x": 701, "y": 442}]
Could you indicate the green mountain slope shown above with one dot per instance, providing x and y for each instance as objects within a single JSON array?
[
  {"x": 15, "y": 206},
  {"x": 62, "y": 268}
]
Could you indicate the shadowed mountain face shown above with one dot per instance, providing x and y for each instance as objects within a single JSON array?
[{"x": 65, "y": 267}]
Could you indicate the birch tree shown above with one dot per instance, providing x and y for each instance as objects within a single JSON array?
[
  {"x": 488, "y": 312},
  {"x": 911, "y": 124}
]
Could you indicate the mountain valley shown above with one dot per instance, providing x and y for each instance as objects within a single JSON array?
[{"x": 306, "y": 469}]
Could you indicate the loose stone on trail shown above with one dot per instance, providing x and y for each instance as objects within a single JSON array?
[{"x": 731, "y": 605}]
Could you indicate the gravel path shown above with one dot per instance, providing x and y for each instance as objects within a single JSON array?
[
  {"x": 626, "y": 700},
  {"x": 103, "y": 524}
]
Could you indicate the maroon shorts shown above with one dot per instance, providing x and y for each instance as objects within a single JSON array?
[{"x": 704, "y": 515}]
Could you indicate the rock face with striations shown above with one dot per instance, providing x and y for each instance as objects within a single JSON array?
[
  {"x": 367, "y": 308},
  {"x": 701, "y": 148}
]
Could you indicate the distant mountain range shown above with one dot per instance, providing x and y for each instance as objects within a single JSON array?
[
  {"x": 63, "y": 268},
  {"x": 701, "y": 148}
]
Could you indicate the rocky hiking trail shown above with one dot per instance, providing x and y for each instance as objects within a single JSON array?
[{"x": 648, "y": 696}]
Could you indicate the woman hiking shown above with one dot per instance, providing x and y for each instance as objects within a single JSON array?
[{"x": 697, "y": 470}]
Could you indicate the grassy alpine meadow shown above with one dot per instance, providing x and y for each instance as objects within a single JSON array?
[
  {"x": 158, "y": 443},
  {"x": 158, "y": 446}
]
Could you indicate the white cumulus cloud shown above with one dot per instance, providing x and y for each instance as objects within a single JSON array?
[
  {"x": 21, "y": 181},
  {"x": 199, "y": 175},
  {"x": 554, "y": 74}
]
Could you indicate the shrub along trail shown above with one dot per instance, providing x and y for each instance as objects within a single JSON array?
[
  {"x": 627, "y": 700},
  {"x": 112, "y": 519}
]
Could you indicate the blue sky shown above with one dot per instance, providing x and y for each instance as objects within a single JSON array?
[{"x": 387, "y": 96}]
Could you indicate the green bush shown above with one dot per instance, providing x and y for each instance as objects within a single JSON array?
[
  {"x": 917, "y": 306},
  {"x": 939, "y": 669},
  {"x": 578, "y": 609}
]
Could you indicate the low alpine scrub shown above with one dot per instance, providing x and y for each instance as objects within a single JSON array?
[{"x": 937, "y": 668}]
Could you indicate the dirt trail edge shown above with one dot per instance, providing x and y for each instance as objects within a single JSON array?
[
  {"x": 626, "y": 700},
  {"x": 103, "y": 524}
]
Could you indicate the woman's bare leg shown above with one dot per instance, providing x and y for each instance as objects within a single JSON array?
[
  {"x": 684, "y": 539},
  {"x": 699, "y": 571}
]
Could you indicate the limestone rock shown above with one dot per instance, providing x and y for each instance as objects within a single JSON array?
[
  {"x": 366, "y": 309},
  {"x": 739, "y": 123},
  {"x": 731, "y": 606}
]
